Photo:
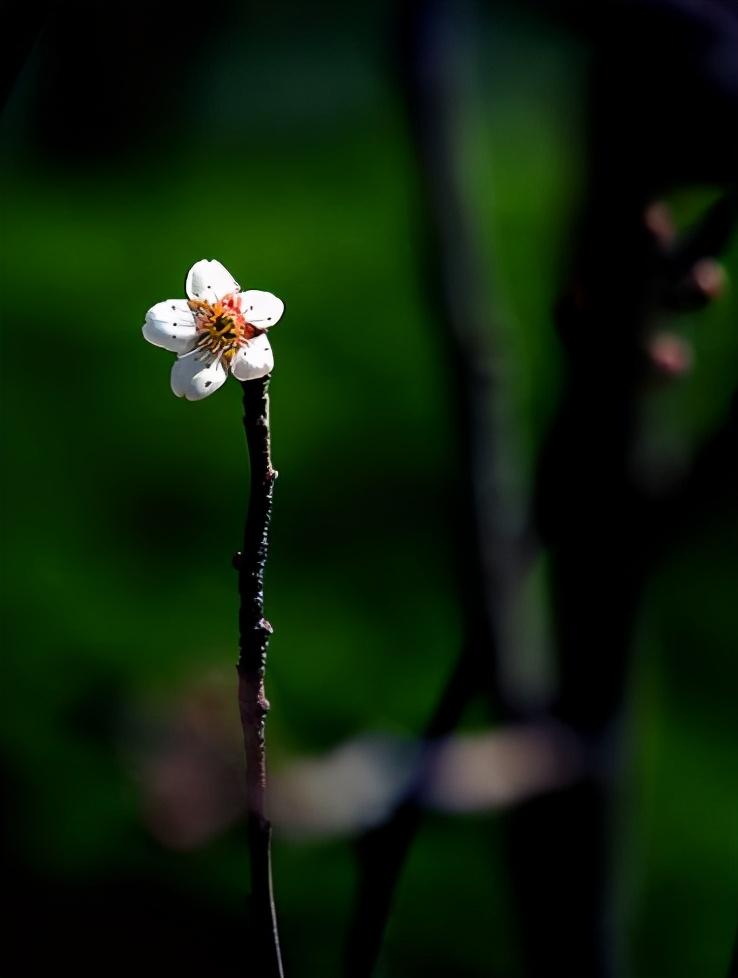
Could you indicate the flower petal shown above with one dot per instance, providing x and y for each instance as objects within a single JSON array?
[
  {"x": 171, "y": 325},
  {"x": 210, "y": 281},
  {"x": 261, "y": 308},
  {"x": 194, "y": 377},
  {"x": 254, "y": 359}
]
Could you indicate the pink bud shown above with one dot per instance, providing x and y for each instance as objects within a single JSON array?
[{"x": 670, "y": 355}]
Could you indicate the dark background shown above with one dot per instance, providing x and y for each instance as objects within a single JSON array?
[{"x": 139, "y": 138}]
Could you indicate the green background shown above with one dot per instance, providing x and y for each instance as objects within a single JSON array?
[{"x": 288, "y": 159}]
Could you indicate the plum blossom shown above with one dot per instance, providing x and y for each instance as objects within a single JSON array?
[{"x": 216, "y": 330}]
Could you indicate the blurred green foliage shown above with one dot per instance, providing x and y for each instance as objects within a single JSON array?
[{"x": 123, "y": 505}]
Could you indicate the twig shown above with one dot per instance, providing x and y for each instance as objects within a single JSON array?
[{"x": 264, "y": 956}]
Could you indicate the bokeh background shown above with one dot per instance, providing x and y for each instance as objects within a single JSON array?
[{"x": 137, "y": 139}]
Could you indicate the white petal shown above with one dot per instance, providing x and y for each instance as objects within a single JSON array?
[
  {"x": 253, "y": 360},
  {"x": 171, "y": 325},
  {"x": 210, "y": 281},
  {"x": 195, "y": 378},
  {"x": 261, "y": 308}
]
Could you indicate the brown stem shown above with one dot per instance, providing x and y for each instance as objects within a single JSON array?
[{"x": 265, "y": 959}]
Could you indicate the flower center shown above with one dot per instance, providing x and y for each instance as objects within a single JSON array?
[{"x": 221, "y": 326}]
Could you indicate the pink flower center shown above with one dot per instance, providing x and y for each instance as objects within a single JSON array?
[{"x": 221, "y": 326}]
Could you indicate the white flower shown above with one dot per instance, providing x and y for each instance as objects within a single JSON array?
[{"x": 216, "y": 329}]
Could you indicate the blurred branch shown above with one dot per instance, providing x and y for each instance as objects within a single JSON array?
[
  {"x": 264, "y": 953},
  {"x": 590, "y": 509},
  {"x": 382, "y": 850},
  {"x": 590, "y": 518},
  {"x": 433, "y": 47},
  {"x": 24, "y": 22},
  {"x": 191, "y": 779},
  {"x": 712, "y": 477},
  {"x": 601, "y": 528},
  {"x": 709, "y": 237},
  {"x": 733, "y": 966},
  {"x": 360, "y": 781}
]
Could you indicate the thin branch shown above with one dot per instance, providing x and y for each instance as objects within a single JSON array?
[{"x": 254, "y": 629}]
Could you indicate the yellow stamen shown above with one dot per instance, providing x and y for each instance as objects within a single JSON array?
[{"x": 222, "y": 326}]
